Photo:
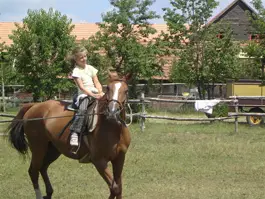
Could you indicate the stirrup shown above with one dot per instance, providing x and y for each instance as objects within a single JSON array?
[{"x": 85, "y": 159}]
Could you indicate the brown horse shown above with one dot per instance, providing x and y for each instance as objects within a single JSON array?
[{"x": 108, "y": 142}]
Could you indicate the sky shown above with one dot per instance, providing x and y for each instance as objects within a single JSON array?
[{"x": 80, "y": 11}]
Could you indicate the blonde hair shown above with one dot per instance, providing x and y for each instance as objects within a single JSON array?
[{"x": 74, "y": 53}]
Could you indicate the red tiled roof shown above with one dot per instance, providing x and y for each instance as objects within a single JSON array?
[
  {"x": 84, "y": 30},
  {"x": 5, "y": 30},
  {"x": 81, "y": 30}
]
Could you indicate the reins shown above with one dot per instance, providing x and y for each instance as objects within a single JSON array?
[
  {"x": 46, "y": 118},
  {"x": 121, "y": 105},
  {"x": 55, "y": 117}
]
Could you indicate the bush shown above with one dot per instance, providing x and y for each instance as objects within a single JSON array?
[{"x": 220, "y": 110}]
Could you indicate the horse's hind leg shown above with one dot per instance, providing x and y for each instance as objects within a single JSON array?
[
  {"x": 51, "y": 155},
  {"x": 34, "y": 176},
  {"x": 38, "y": 154}
]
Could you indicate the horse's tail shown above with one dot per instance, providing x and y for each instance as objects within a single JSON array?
[{"x": 16, "y": 131}]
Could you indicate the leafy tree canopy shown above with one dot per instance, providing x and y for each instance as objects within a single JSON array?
[
  {"x": 256, "y": 47},
  {"x": 201, "y": 57},
  {"x": 7, "y": 74},
  {"x": 2, "y": 47},
  {"x": 123, "y": 42},
  {"x": 39, "y": 48}
]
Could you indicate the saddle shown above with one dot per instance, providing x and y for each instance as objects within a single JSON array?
[
  {"x": 91, "y": 117},
  {"x": 89, "y": 124}
]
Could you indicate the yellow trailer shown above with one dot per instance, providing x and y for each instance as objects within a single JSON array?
[{"x": 251, "y": 97}]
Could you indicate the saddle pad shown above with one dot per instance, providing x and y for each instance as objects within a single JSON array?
[{"x": 94, "y": 118}]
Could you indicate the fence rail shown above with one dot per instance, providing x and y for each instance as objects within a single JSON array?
[
  {"x": 232, "y": 99},
  {"x": 184, "y": 119},
  {"x": 143, "y": 115},
  {"x": 7, "y": 115},
  {"x": 180, "y": 101},
  {"x": 245, "y": 114}
]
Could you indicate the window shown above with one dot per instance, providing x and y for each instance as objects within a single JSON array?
[
  {"x": 220, "y": 36},
  {"x": 254, "y": 37}
]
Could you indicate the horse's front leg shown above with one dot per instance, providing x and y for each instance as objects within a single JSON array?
[
  {"x": 116, "y": 188},
  {"x": 102, "y": 168}
]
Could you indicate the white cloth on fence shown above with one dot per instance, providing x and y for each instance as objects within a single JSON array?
[{"x": 206, "y": 106}]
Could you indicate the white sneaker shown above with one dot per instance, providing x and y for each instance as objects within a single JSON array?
[{"x": 74, "y": 139}]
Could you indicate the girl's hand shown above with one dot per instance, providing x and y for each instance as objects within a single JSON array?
[
  {"x": 101, "y": 94},
  {"x": 97, "y": 96}
]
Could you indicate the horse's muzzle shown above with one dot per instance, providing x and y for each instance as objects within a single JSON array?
[
  {"x": 112, "y": 114},
  {"x": 112, "y": 109}
]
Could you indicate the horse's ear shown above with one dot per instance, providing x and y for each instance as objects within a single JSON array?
[
  {"x": 113, "y": 75},
  {"x": 127, "y": 77}
]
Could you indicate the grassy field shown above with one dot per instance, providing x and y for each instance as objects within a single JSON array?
[{"x": 171, "y": 161}]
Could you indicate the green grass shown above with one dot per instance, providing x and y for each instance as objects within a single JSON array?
[{"x": 172, "y": 161}]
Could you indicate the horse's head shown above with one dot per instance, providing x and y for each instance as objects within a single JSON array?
[{"x": 116, "y": 96}]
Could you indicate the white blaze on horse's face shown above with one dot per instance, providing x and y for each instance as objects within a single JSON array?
[{"x": 115, "y": 96}]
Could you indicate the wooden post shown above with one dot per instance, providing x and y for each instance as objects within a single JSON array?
[
  {"x": 3, "y": 87},
  {"x": 14, "y": 92},
  {"x": 236, "y": 117},
  {"x": 142, "y": 125},
  {"x": 262, "y": 69}
]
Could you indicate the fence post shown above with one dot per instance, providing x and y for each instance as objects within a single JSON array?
[
  {"x": 236, "y": 116},
  {"x": 142, "y": 125},
  {"x": 3, "y": 87}
]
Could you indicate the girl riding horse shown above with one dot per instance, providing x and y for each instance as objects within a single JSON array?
[{"x": 37, "y": 126}]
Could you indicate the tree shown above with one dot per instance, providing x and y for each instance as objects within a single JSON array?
[
  {"x": 123, "y": 42},
  {"x": 8, "y": 74},
  {"x": 256, "y": 48},
  {"x": 2, "y": 47},
  {"x": 201, "y": 57},
  {"x": 39, "y": 48}
]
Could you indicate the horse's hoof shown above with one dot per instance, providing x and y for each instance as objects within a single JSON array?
[{"x": 47, "y": 197}]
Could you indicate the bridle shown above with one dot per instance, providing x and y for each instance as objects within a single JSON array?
[{"x": 116, "y": 114}]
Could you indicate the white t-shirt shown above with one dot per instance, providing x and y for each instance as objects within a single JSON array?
[{"x": 85, "y": 74}]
